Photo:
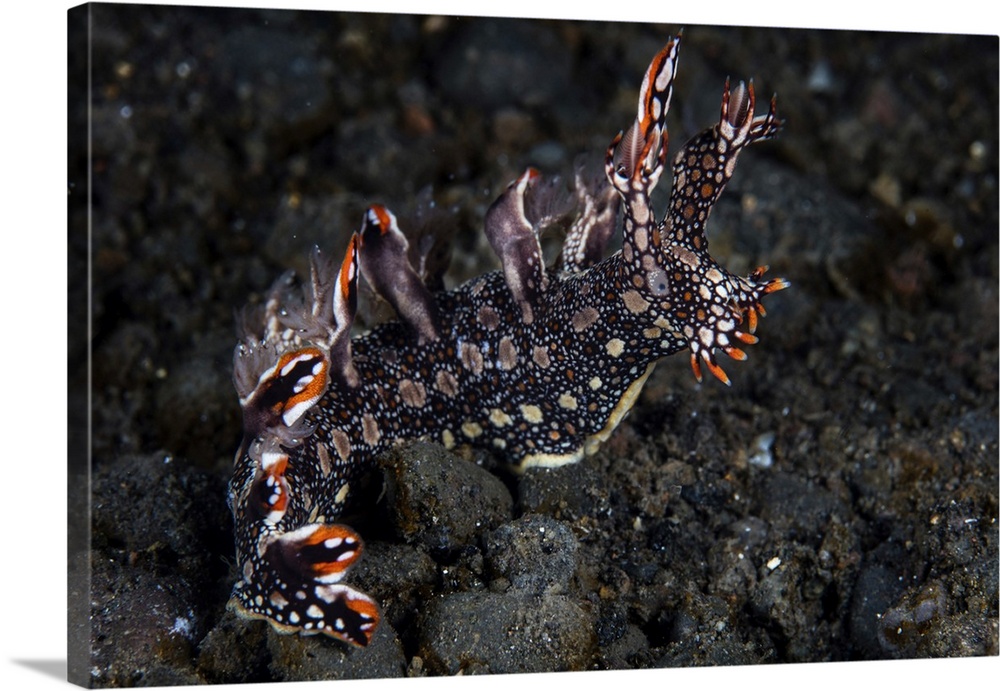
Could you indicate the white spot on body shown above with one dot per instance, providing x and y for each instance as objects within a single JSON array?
[
  {"x": 641, "y": 239},
  {"x": 290, "y": 365},
  {"x": 342, "y": 444},
  {"x": 532, "y": 413},
  {"x": 584, "y": 318},
  {"x": 488, "y": 317},
  {"x": 325, "y": 466},
  {"x": 619, "y": 412},
  {"x": 412, "y": 393},
  {"x": 508, "y": 354},
  {"x": 342, "y": 493},
  {"x": 471, "y": 358},
  {"x": 499, "y": 417},
  {"x": 540, "y": 355},
  {"x": 370, "y": 431},
  {"x": 685, "y": 256},
  {"x": 446, "y": 383},
  {"x": 269, "y": 459},
  {"x": 292, "y": 415},
  {"x": 634, "y": 303}
]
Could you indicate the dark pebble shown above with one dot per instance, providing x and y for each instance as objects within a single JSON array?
[
  {"x": 701, "y": 631},
  {"x": 627, "y": 651},
  {"x": 235, "y": 650},
  {"x": 536, "y": 554},
  {"x": 142, "y": 620},
  {"x": 568, "y": 492},
  {"x": 158, "y": 506},
  {"x": 877, "y": 587},
  {"x": 401, "y": 575},
  {"x": 491, "y": 633},
  {"x": 306, "y": 658},
  {"x": 441, "y": 501},
  {"x": 787, "y": 599},
  {"x": 798, "y": 506}
]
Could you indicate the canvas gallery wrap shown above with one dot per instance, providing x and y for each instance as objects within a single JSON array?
[{"x": 436, "y": 345}]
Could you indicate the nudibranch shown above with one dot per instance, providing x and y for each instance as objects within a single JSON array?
[{"x": 537, "y": 363}]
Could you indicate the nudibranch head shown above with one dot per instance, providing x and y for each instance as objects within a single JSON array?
[
  {"x": 667, "y": 261},
  {"x": 293, "y": 581}
]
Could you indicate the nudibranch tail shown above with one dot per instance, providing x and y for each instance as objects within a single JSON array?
[
  {"x": 295, "y": 585},
  {"x": 286, "y": 391},
  {"x": 536, "y": 363}
]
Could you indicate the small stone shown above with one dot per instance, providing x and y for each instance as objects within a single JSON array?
[
  {"x": 535, "y": 553},
  {"x": 234, "y": 651},
  {"x": 491, "y": 633},
  {"x": 567, "y": 492},
  {"x": 308, "y": 658},
  {"x": 441, "y": 501}
]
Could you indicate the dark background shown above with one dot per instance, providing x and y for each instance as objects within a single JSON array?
[{"x": 225, "y": 143}]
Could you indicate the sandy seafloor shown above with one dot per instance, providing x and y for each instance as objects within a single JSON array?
[{"x": 838, "y": 502}]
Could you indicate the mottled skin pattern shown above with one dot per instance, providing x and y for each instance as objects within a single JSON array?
[{"x": 538, "y": 364}]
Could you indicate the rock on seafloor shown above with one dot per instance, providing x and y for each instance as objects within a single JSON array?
[
  {"x": 493, "y": 633},
  {"x": 441, "y": 501}
]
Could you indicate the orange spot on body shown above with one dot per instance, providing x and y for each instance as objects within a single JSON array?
[
  {"x": 735, "y": 353},
  {"x": 718, "y": 372},
  {"x": 314, "y": 387},
  {"x": 382, "y": 215},
  {"x": 349, "y": 266}
]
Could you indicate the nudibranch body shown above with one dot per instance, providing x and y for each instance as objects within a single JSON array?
[{"x": 537, "y": 363}]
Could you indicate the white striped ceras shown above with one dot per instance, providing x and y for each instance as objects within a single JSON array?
[{"x": 539, "y": 364}]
